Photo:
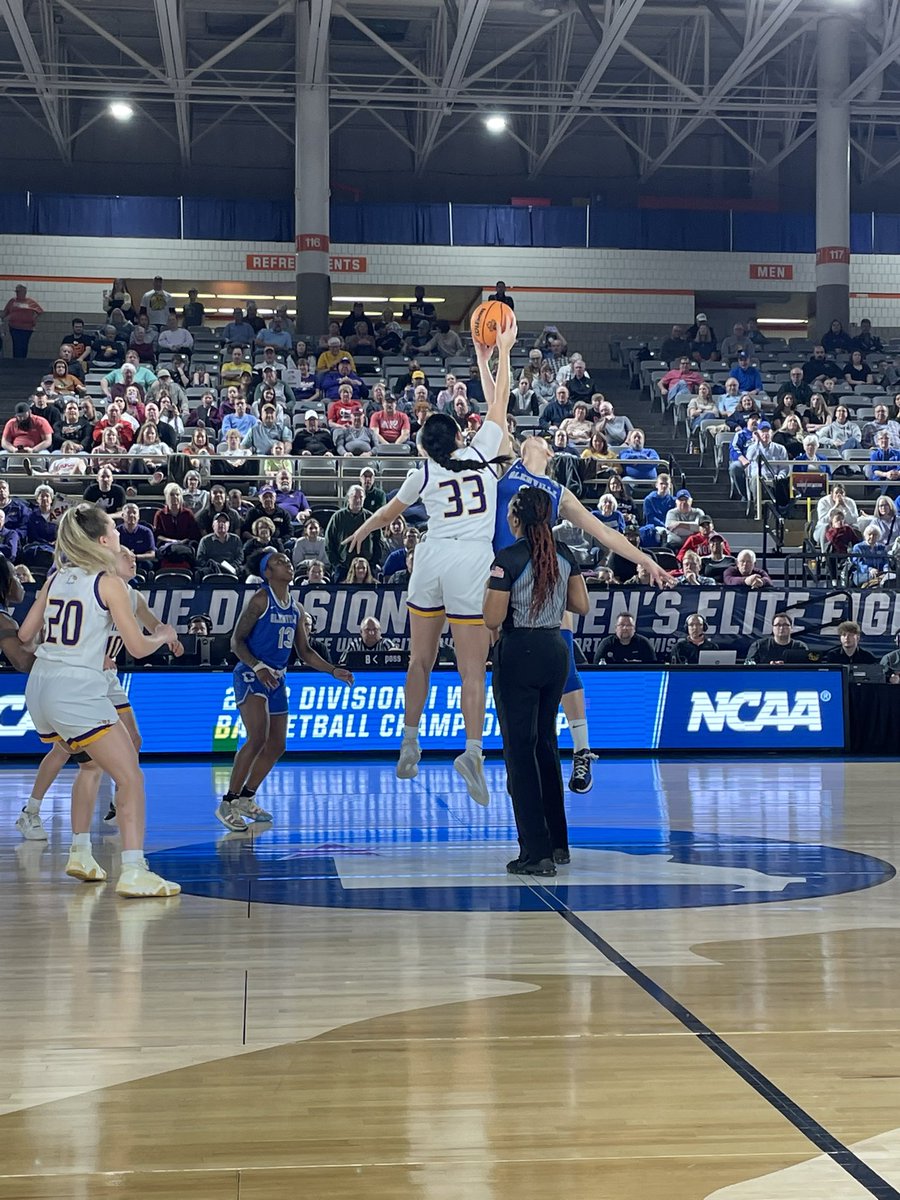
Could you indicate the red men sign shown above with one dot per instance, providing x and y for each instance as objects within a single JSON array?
[{"x": 771, "y": 271}]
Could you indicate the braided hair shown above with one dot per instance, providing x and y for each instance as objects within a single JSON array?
[
  {"x": 531, "y": 507},
  {"x": 438, "y": 440}
]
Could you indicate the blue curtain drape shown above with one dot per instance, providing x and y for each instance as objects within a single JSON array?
[
  {"x": 887, "y": 233},
  {"x": 106, "y": 216},
  {"x": 391, "y": 224},
  {"x": 861, "y": 233},
  {"x": 491, "y": 225},
  {"x": 558, "y": 226},
  {"x": 15, "y": 216},
  {"x": 774, "y": 233},
  {"x": 207, "y": 217}
]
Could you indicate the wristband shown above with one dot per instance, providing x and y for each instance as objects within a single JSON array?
[{"x": 259, "y": 666}]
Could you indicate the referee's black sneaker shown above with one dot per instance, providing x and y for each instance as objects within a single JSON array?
[
  {"x": 544, "y": 867},
  {"x": 581, "y": 779},
  {"x": 111, "y": 815}
]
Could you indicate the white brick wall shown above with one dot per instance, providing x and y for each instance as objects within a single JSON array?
[{"x": 620, "y": 286}]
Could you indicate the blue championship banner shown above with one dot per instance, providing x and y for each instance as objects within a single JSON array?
[
  {"x": 638, "y": 708},
  {"x": 735, "y": 616}
]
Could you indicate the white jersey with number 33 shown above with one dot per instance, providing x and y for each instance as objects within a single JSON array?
[
  {"x": 460, "y": 504},
  {"x": 77, "y": 623}
]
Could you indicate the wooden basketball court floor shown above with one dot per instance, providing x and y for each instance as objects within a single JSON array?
[{"x": 358, "y": 1002}]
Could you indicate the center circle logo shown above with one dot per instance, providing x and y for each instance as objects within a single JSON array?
[{"x": 611, "y": 871}]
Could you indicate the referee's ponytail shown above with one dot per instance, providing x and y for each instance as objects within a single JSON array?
[
  {"x": 531, "y": 507},
  {"x": 438, "y": 439}
]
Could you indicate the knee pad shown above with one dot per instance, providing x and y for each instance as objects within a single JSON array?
[{"x": 573, "y": 681}]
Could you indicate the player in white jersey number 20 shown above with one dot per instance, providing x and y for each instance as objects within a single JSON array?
[{"x": 457, "y": 484}]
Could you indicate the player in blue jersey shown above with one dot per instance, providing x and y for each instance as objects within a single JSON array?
[
  {"x": 271, "y": 627},
  {"x": 531, "y": 471}
]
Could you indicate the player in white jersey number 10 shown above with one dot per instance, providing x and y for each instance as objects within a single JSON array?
[{"x": 457, "y": 485}]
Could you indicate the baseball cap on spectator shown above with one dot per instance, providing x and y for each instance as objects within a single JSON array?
[
  {"x": 222, "y": 516},
  {"x": 715, "y": 537},
  {"x": 705, "y": 521},
  {"x": 743, "y": 354},
  {"x": 163, "y": 373},
  {"x": 267, "y": 491},
  {"x": 764, "y": 425},
  {"x": 272, "y": 369},
  {"x": 418, "y": 375},
  {"x": 345, "y": 358},
  {"x": 683, "y": 494},
  {"x": 700, "y": 317},
  {"x": 22, "y": 408},
  {"x": 474, "y": 419},
  {"x": 310, "y": 412}
]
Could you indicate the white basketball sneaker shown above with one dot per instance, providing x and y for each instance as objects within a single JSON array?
[
  {"x": 31, "y": 826},
  {"x": 82, "y": 865},
  {"x": 138, "y": 880}
]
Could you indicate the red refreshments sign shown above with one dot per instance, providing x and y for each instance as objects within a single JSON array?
[
  {"x": 771, "y": 271},
  {"x": 338, "y": 264}
]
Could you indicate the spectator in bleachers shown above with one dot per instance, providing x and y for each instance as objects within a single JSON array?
[
  {"x": 819, "y": 367},
  {"x": 788, "y": 406},
  {"x": 523, "y": 400},
  {"x": 656, "y": 506},
  {"x": 836, "y": 341},
  {"x": 332, "y": 355},
  {"x": 115, "y": 418},
  {"x": 109, "y": 349},
  {"x": 795, "y": 386},
  {"x": 557, "y": 411},
  {"x": 341, "y": 524},
  {"x": 884, "y": 461},
  {"x": 40, "y": 529},
  {"x": 310, "y": 546},
  {"x": 674, "y": 346},
  {"x": 607, "y": 513},
  {"x": 755, "y": 335},
  {"x": 21, "y": 314},
  {"x": 684, "y": 379},
  {"x": 241, "y": 419},
  {"x": 73, "y": 365},
  {"x": 849, "y": 652},
  {"x": 835, "y": 499},
  {"x": 418, "y": 340},
  {"x": 175, "y": 337},
  {"x": 391, "y": 428},
  {"x": 277, "y": 461},
  {"x": 388, "y": 334},
  {"x": 686, "y": 651},
  {"x": 625, "y": 645},
  {"x": 810, "y": 460},
  {"x": 881, "y": 423},
  {"x": 173, "y": 522},
  {"x": 578, "y": 427},
  {"x": 151, "y": 333},
  {"x": 150, "y": 456},
  {"x": 781, "y": 648},
  {"x": 621, "y": 489},
  {"x": 73, "y": 427},
  {"x": 64, "y": 383},
  {"x": 129, "y": 396},
  {"x": 341, "y": 410},
  {"x": 26, "y": 433},
  {"x": 444, "y": 342},
  {"x": 699, "y": 542},
  {"x": 238, "y": 331},
  {"x": 747, "y": 375},
  {"x": 236, "y": 369},
  {"x": 501, "y": 296},
  {"x": 865, "y": 340},
  {"x": 356, "y": 438},
  {"x": 254, "y": 320},
  {"x": 315, "y": 574},
  {"x": 167, "y": 432},
  {"x": 839, "y": 538},
  {"x": 704, "y": 347},
  {"x": 393, "y": 535},
  {"x": 289, "y": 497},
  {"x": 276, "y": 335},
  {"x": 302, "y": 353},
  {"x": 304, "y": 387},
  {"x": 359, "y": 573},
  {"x": 184, "y": 378},
  {"x": 196, "y": 497},
  {"x": 402, "y": 577},
  {"x": 206, "y": 413},
  {"x": 9, "y": 539},
  {"x": 682, "y": 520},
  {"x": 233, "y": 462},
  {"x": 738, "y": 418},
  {"x": 362, "y": 342},
  {"x": 193, "y": 312},
  {"x": 701, "y": 319},
  {"x": 691, "y": 572},
  {"x": 579, "y": 383},
  {"x": 885, "y": 519},
  {"x": 143, "y": 376},
  {"x": 41, "y": 407},
  {"x": 262, "y": 436},
  {"x": 745, "y": 573},
  {"x": 817, "y": 413},
  {"x": 419, "y": 309},
  {"x": 136, "y": 536},
  {"x": 869, "y": 562},
  {"x": 343, "y": 376},
  {"x": 165, "y": 388},
  {"x": 313, "y": 438},
  {"x": 766, "y": 457},
  {"x": 266, "y": 505},
  {"x": 841, "y": 432},
  {"x": 615, "y": 429},
  {"x": 640, "y": 461},
  {"x": 738, "y": 462},
  {"x": 717, "y": 561},
  {"x": 396, "y": 559},
  {"x": 15, "y": 511},
  {"x": 104, "y": 492},
  {"x": 544, "y": 386},
  {"x": 857, "y": 370},
  {"x": 169, "y": 421},
  {"x": 262, "y": 539},
  {"x": 356, "y": 316},
  {"x": 218, "y": 502},
  {"x": 703, "y": 410},
  {"x": 600, "y": 462},
  {"x": 68, "y": 460},
  {"x": 444, "y": 398},
  {"x": 790, "y": 436},
  {"x": 117, "y": 296},
  {"x": 111, "y": 452},
  {"x": 735, "y": 343},
  {"x": 422, "y": 410},
  {"x": 157, "y": 303},
  {"x": 220, "y": 552}
]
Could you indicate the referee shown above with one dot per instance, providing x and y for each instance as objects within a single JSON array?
[{"x": 532, "y": 583}]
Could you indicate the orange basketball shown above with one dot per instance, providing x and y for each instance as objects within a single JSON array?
[{"x": 486, "y": 320}]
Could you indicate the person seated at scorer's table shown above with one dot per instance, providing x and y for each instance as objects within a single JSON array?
[
  {"x": 849, "y": 653},
  {"x": 370, "y": 638},
  {"x": 625, "y": 645},
  {"x": 781, "y": 648},
  {"x": 686, "y": 651}
]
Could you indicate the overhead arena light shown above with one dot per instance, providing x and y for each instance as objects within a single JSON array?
[
  {"x": 121, "y": 110},
  {"x": 496, "y": 123}
]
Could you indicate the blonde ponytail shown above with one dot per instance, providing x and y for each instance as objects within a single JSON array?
[{"x": 77, "y": 543}]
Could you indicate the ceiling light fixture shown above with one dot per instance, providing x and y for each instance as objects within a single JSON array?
[
  {"x": 496, "y": 123},
  {"x": 121, "y": 110}
]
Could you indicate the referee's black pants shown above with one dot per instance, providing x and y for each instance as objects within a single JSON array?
[{"x": 530, "y": 671}]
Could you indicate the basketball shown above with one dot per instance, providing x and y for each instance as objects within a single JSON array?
[{"x": 486, "y": 320}]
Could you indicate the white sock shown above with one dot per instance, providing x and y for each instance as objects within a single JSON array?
[
  {"x": 132, "y": 858},
  {"x": 81, "y": 841},
  {"x": 473, "y": 744},
  {"x": 411, "y": 732},
  {"x": 32, "y": 805},
  {"x": 579, "y": 732}
]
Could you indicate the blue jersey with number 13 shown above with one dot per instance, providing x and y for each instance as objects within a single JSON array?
[{"x": 272, "y": 637}]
